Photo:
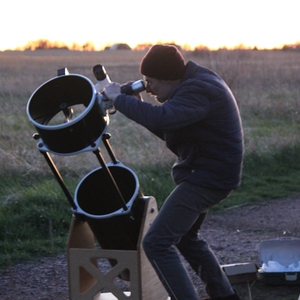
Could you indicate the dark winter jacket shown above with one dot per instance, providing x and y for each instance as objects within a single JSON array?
[{"x": 201, "y": 124}]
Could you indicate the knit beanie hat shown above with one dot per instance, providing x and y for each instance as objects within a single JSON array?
[{"x": 163, "y": 62}]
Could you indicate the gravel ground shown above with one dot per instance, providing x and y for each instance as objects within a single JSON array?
[{"x": 234, "y": 235}]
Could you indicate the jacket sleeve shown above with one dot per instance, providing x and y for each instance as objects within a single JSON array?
[{"x": 181, "y": 110}]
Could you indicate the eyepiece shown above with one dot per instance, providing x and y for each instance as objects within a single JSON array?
[{"x": 135, "y": 87}]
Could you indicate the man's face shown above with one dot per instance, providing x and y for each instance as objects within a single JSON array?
[{"x": 159, "y": 88}]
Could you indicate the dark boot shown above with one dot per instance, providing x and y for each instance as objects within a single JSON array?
[{"x": 231, "y": 297}]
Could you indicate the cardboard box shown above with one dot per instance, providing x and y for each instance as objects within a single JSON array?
[
  {"x": 240, "y": 273},
  {"x": 285, "y": 251}
]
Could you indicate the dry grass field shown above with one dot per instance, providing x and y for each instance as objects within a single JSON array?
[{"x": 265, "y": 83}]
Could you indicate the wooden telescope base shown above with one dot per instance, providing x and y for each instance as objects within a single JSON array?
[{"x": 88, "y": 282}]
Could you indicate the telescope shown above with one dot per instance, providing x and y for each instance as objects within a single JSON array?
[
  {"x": 70, "y": 116},
  {"x": 67, "y": 113}
]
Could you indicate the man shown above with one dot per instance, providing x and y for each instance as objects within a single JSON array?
[{"x": 200, "y": 122}]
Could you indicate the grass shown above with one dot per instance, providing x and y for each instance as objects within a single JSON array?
[
  {"x": 34, "y": 212},
  {"x": 34, "y": 218},
  {"x": 267, "y": 176}
]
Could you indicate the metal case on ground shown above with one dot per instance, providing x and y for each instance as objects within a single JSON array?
[{"x": 285, "y": 251}]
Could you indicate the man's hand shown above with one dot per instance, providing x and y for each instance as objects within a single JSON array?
[
  {"x": 112, "y": 91},
  {"x": 107, "y": 98}
]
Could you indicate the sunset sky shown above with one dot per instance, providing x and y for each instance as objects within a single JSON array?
[{"x": 212, "y": 23}]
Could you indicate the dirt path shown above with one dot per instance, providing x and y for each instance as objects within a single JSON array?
[{"x": 234, "y": 235}]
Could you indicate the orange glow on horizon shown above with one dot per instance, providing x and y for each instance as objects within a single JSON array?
[{"x": 90, "y": 46}]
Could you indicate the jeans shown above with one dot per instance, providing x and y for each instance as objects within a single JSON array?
[{"x": 176, "y": 226}]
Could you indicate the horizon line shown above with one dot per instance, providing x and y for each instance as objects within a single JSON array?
[{"x": 45, "y": 44}]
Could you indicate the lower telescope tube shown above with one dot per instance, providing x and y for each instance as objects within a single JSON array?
[{"x": 113, "y": 227}]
